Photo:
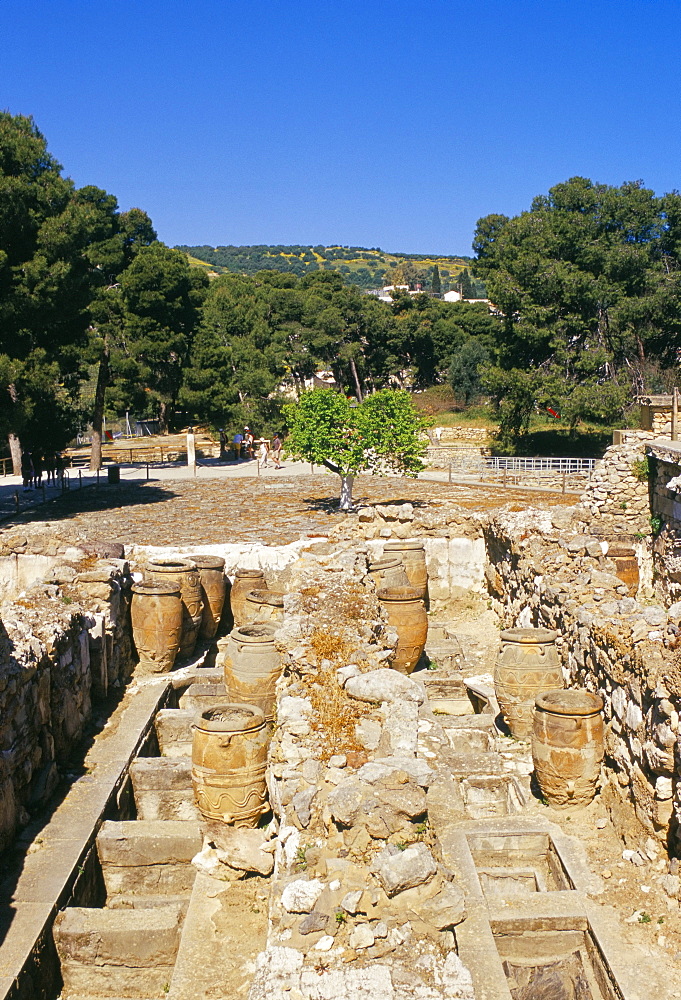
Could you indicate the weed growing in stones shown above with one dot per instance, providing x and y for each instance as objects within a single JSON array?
[
  {"x": 335, "y": 713},
  {"x": 329, "y": 646}
]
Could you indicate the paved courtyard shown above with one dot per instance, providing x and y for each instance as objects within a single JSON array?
[{"x": 274, "y": 509}]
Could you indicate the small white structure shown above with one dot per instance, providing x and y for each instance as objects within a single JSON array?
[{"x": 452, "y": 296}]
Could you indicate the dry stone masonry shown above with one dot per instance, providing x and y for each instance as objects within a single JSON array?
[{"x": 404, "y": 857}]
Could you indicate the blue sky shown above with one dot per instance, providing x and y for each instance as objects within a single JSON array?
[{"x": 358, "y": 122}]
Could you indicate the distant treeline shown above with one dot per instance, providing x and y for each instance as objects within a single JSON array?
[{"x": 366, "y": 267}]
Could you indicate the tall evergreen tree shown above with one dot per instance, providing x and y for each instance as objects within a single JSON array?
[{"x": 53, "y": 244}]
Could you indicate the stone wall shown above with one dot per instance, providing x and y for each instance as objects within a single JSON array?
[
  {"x": 454, "y": 435},
  {"x": 543, "y": 567},
  {"x": 453, "y": 540},
  {"x": 63, "y": 647},
  {"x": 449, "y": 444},
  {"x": 664, "y": 459},
  {"x": 441, "y": 456},
  {"x": 615, "y": 495},
  {"x": 542, "y": 573}
]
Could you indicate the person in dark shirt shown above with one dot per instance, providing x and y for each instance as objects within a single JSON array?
[{"x": 27, "y": 469}]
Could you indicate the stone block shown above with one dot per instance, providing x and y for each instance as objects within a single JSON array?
[
  {"x": 301, "y": 895},
  {"x": 112, "y": 953},
  {"x": 174, "y": 731},
  {"x": 404, "y": 869},
  {"x": 242, "y": 849},
  {"x": 148, "y": 857},
  {"x": 384, "y": 684},
  {"x": 163, "y": 788}
]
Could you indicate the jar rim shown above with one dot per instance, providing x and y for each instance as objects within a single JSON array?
[
  {"x": 257, "y": 718},
  {"x": 156, "y": 589},
  {"x": 208, "y": 562},
  {"x": 529, "y": 636},
  {"x": 273, "y": 597},
  {"x": 569, "y": 701},
  {"x": 399, "y": 594}
]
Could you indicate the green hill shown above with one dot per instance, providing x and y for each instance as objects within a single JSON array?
[{"x": 367, "y": 268}]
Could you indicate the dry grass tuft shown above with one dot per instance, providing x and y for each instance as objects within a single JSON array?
[
  {"x": 335, "y": 714},
  {"x": 330, "y": 646}
]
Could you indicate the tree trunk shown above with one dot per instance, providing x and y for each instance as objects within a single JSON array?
[
  {"x": 163, "y": 418},
  {"x": 355, "y": 376},
  {"x": 15, "y": 452},
  {"x": 98, "y": 412},
  {"x": 346, "y": 492}
]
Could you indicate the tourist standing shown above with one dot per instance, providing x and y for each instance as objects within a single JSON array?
[
  {"x": 249, "y": 441},
  {"x": 263, "y": 452},
  {"x": 276, "y": 451},
  {"x": 27, "y": 469},
  {"x": 37, "y": 469},
  {"x": 237, "y": 441}
]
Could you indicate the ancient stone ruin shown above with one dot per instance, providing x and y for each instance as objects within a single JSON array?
[{"x": 243, "y": 797}]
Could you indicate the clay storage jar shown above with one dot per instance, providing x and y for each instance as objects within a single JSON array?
[
  {"x": 213, "y": 589},
  {"x": 229, "y": 758},
  {"x": 567, "y": 746},
  {"x": 264, "y": 606},
  {"x": 388, "y": 572},
  {"x": 156, "y": 615},
  {"x": 407, "y": 615},
  {"x": 184, "y": 573},
  {"x": 244, "y": 581},
  {"x": 626, "y": 562},
  {"x": 252, "y": 666},
  {"x": 414, "y": 562},
  {"x": 527, "y": 664}
]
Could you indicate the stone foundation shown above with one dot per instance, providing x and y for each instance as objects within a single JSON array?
[
  {"x": 63, "y": 649},
  {"x": 543, "y": 567}
]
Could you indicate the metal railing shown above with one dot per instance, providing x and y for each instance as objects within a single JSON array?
[
  {"x": 564, "y": 474},
  {"x": 500, "y": 463}
]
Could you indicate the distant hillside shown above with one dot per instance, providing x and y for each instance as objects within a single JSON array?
[{"x": 364, "y": 267}]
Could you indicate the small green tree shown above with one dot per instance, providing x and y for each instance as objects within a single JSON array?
[
  {"x": 383, "y": 434},
  {"x": 435, "y": 281},
  {"x": 464, "y": 370}
]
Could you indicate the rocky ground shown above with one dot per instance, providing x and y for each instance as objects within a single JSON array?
[{"x": 248, "y": 510}]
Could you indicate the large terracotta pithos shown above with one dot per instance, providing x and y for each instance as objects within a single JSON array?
[
  {"x": 244, "y": 581},
  {"x": 567, "y": 746},
  {"x": 251, "y": 666},
  {"x": 407, "y": 615},
  {"x": 626, "y": 564},
  {"x": 213, "y": 589},
  {"x": 229, "y": 758},
  {"x": 156, "y": 615},
  {"x": 264, "y": 606},
  {"x": 388, "y": 572},
  {"x": 527, "y": 664},
  {"x": 184, "y": 573},
  {"x": 414, "y": 561}
]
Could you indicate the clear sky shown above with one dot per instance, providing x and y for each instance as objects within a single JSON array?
[{"x": 361, "y": 122}]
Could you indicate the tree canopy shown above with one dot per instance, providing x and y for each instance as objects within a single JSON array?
[
  {"x": 383, "y": 434},
  {"x": 588, "y": 285}
]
